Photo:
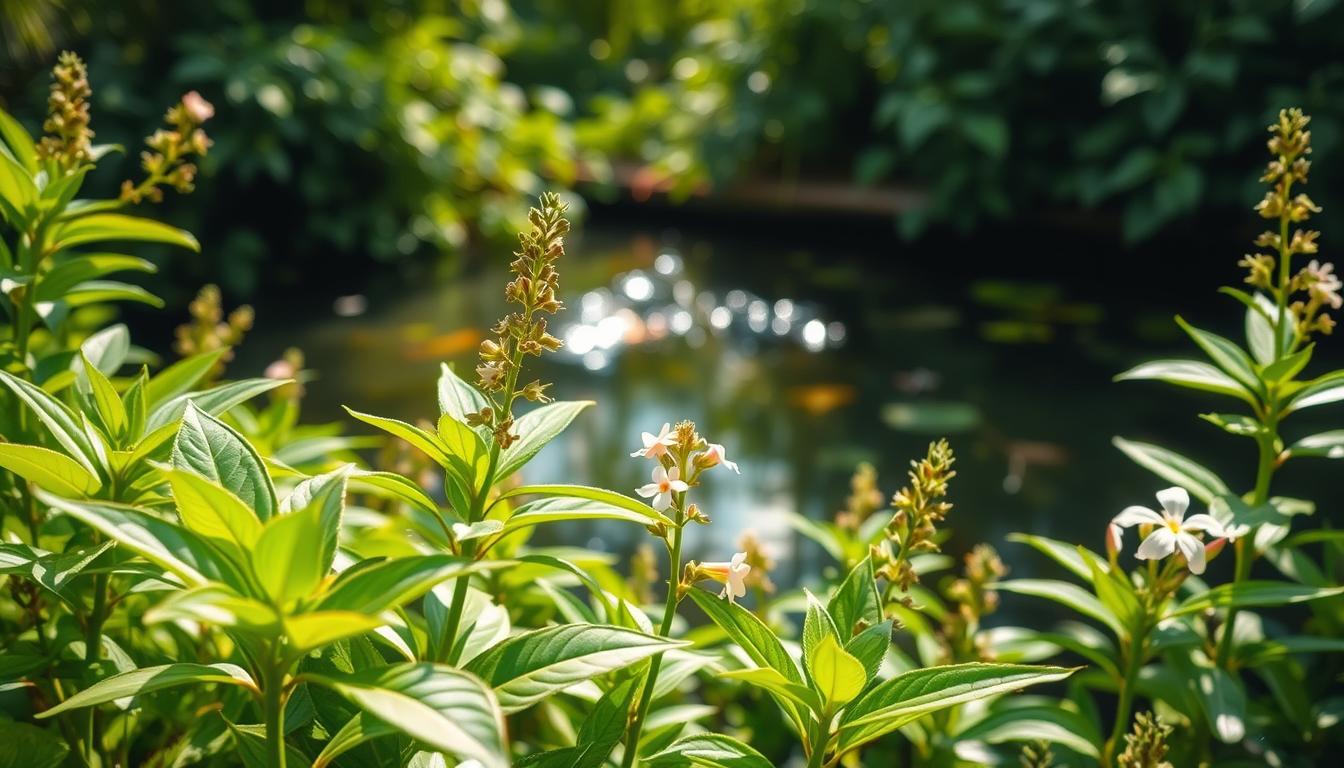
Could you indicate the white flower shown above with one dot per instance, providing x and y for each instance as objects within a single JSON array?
[
  {"x": 655, "y": 445},
  {"x": 490, "y": 373},
  {"x": 1173, "y": 531},
  {"x": 665, "y": 483},
  {"x": 732, "y": 574},
  {"x": 713, "y": 456}
]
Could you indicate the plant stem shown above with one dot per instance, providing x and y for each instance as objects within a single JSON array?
[
  {"x": 1133, "y": 664},
  {"x": 275, "y": 715},
  {"x": 817, "y": 756},
  {"x": 669, "y": 611}
]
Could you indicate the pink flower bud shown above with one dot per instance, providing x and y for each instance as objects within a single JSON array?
[
  {"x": 1114, "y": 534},
  {"x": 197, "y": 108},
  {"x": 1212, "y": 549}
]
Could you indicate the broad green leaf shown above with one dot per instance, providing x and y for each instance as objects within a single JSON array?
[
  {"x": 914, "y": 694},
  {"x": 1235, "y": 424},
  {"x": 53, "y": 570},
  {"x": 72, "y": 271},
  {"x": 167, "y": 545},
  {"x": 107, "y": 349},
  {"x": 19, "y": 141},
  {"x": 599, "y": 734},
  {"x": 1285, "y": 368},
  {"x": 250, "y": 743},
  {"x": 213, "y": 401},
  {"x": 770, "y": 680},
  {"x": 837, "y": 675},
  {"x": 708, "y": 750},
  {"x": 442, "y": 707},
  {"x": 1115, "y": 593},
  {"x": 309, "y": 631},
  {"x": 98, "y": 227},
  {"x": 1225, "y": 353},
  {"x": 106, "y": 401},
  {"x": 466, "y": 451},
  {"x": 870, "y": 647},
  {"x": 219, "y": 606},
  {"x": 178, "y": 378},
  {"x": 210, "y": 448},
  {"x": 1328, "y": 445},
  {"x": 25, "y": 745},
  {"x": 557, "y": 509},
  {"x": 856, "y": 601},
  {"x": 1174, "y": 468},
  {"x": 388, "y": 584},
  {"x": 357, "y": 730},
  {"x": 53, "y": 471},
  {"x": 817, "y": 624},
  {"x": 1221, "y": 697},
  {"x": 604, "y": 498},
  {"x": 1250, "y": 594},
  {"x": 59, "y": 420},
  {"x": 150, "y": 679},
  {"x": 457, "y": 398},
  {"x": 535, "y": 429},
  {"x": 1063, "y": 592},
  {"x": 756, "y": 639},
  {"x": 1322, "y": 390},
  {"x": 90, "y": 292},
  {"x": 1057, "y": 725},
  {"x": 1191, "y": 374},
  {"x": 528, "y": 667},
  {"x": 210, "y": 510},
  {"x": 18, "y": 194},
  {"x": 427, "y": 443},
  {"x": 287, "y": 558},
  {"x": 326, "y": 494},
  {"x": 394, "y": 486},
  {"x": 1075, "y": 559}
]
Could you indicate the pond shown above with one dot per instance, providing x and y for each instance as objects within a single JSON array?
[{"x": 806, "y": 350}]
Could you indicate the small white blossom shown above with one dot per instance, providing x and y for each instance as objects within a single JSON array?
[
  {"x": 655, "y": 445},
  {"x": 665, "y": 483},
  {"x": 490, "y": 373},
  {"x": 714, "y": 455},
  {"x": 732, "y": 574},
  {"x": 1172, "y": 531}
]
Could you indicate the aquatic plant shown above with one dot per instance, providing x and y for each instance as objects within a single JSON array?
[{"x": 307, "y": 605}]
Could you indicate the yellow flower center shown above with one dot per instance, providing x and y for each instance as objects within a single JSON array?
[{"x": 1173, "y": 525}]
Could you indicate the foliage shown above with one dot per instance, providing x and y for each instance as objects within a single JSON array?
[{"x": 196, "y": 577}]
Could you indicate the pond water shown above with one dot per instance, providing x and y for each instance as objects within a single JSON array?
[{"x": 805, "y": 352}]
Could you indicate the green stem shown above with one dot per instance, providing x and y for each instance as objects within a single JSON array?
[
  {"x": 1133, "y": 664},
  {"x": 93, "y": 651},
  {"x": 275, "y": 715},
  {"x": 669, "y": 612},
  {"x": 817, "y": 758}
]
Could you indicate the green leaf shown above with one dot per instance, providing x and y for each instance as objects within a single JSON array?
[
  {"x": 442, "y": 707},
  {"x": 1054, "y": 724},
  {"x": 1235, "y": 424},
  {"x": 914, "y": 694},
  {"x": 429, "y": 444},
  {"x": 1225, "y": 353},
  {"x": 141, "y": 681},
  {"x": 54, "y": 571},
  {"x": 756, "y": 639},
  {"x": 169, "y": 546},
  {"x": 837, "y": 675},
  {"x": 1075, "y": 559},
  {"x": 1221, "y": 697},
  {"x": 1328, "y": 445},
  {"x": 357, "y": 730},
  {"x": 180, "y": 377},
  {"x": 213, "y": 401},
  {"x": 212, "y": 511},
  {"x": 1064, "y": 593},
  {"x": 285, "y": 558},
  {"x": 250, "y": 742},
  {"x": 1115, "y": 593},
  {"x": 115, "y": 226},
  {"x": 90, "y": 292},
  {"x": 213, "y": 450},
  {"x": 1250, "y": 594},
  {"x": 309, "y": 631},
  {"x": 535, "y": 429},
  {"x": 606, "y": 499},
  {"x": 394, "y": 486},
  {"x": 466, "y": 452},
  {"x": 19, "y": 141},
  {"x": 375, "y": 588},
  {"x": 53, "y": 471},
  {"x": 326, "y": 494},
  {"x": 219, "y": 606},
  {"x": 856, "y": 601},
  {"x": 24, "y": 745},
  {"x": 599, "y": 734},
  {"x": 817, "y": 624},
  {"x": 708, "y": 750},
  {"x": 106, "y": 401},
  {"x": 1191, "y": 374},
  {"x": 870, "y": 647},
  {"x": 59, "y": 420},
  {"x": 107, "y": 349},
  {"x": 72, "y": 271},
  {"x": 561, "y": 509},
  {"x": 1328, "y": 388},
  {"x": 1174, "y": 468},
  {"x": 457, "y": 398},
  {"x": 1285, "y": 368},
  {"x": 528, "y": 667},
  {"x": 18, "y": 194},
  {"x": 769, "y": 680}
]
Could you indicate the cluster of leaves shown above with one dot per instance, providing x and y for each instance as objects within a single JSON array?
[{"x": 197, "y": 579}]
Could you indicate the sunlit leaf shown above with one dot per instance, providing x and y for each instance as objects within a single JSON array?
[{"x": 150, "y": 679}]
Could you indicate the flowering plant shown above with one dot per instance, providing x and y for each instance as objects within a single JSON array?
[{"x": 308, "y": 606}]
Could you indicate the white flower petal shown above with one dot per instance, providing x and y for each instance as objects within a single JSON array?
[
  {"x": 660, "y": 474},
  {"x": 662, "y": 501},
  {"x": 647, "y": 491},
  {"x": 1174, "y": 501},
  {"x": 1193, "y": 549},
  {"x": 678, "y": 485},
  {"x": 1159, "y": 544},
  {"x": 1202, "y": 522},
  {"x": 1136, "y": 515}
]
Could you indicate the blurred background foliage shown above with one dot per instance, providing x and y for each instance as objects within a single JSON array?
[{"x": 355, "y": 135}]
